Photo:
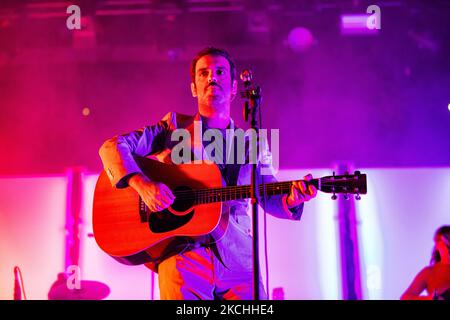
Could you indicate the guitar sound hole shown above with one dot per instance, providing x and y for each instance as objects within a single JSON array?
[
  {"x": 184, "y": 199},
  {"x": 165, "y": 220}
]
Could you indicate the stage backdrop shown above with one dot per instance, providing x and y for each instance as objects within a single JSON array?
[{"x": 396, "y": 222}]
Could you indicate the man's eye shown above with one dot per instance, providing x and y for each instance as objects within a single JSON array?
[{"x": 220, "y": 72}]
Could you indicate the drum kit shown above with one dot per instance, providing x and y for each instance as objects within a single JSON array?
[
  {"x": 63, "y": 288},
  {"x": 87, "y": 290}
]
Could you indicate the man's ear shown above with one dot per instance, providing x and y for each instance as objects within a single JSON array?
[
  {"x": 193, "y": 90},
  {"x": 233, "y": 90},
  {"x": 234, "y": 87}
]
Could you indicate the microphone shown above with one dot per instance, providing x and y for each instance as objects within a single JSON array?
[
  {"x": 17, "y": 286},
  {"x": 246, "y": 76}
]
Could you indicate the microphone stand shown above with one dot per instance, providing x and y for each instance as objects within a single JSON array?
[
  {"x": 17, "y": 286},
  {"x": 252, "y": 109}
]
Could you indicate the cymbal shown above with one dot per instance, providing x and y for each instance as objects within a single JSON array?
[{"x": 89, "y": 290}]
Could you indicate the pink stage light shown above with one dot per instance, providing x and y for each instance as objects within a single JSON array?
[
  {"x": 300, "y": 39},
  {"x": 86, "y": 111}
]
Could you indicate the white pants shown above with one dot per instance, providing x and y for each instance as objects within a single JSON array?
[{"x": 199, "y": 274}]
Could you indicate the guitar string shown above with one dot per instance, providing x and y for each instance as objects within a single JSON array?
[
  {"x": 208, "y": 195},
  {"x": 227, "y": 190},
  {"x": 269, "y": 185},
  {"x": 238, "y": 189}
]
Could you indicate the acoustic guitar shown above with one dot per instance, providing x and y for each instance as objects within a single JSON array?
[{"x": 125, "y": 229}]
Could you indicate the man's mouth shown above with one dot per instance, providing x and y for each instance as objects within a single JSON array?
[{"x": 213, "y": 86}]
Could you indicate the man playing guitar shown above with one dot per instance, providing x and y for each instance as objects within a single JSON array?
[{"x": 221, "y": 268}]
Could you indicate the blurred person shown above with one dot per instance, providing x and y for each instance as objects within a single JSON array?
[{"x": 435, "y": 278}]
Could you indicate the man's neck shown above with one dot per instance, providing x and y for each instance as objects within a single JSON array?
[{"x": 216, "y": 121}]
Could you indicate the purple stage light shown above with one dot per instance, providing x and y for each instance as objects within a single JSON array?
[
  {"x": 356, "y": 24},
  {"x": 300, "y": 39}
]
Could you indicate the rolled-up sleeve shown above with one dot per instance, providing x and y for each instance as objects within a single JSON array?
[
  {"x": 276, "y": 205},
  {"x": 117, "y": 154}
]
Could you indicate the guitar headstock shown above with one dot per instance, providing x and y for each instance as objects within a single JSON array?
[{"x": 346, "y": 184}]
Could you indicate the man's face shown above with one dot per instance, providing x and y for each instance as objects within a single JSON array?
[{"x": 213, "y": 86}]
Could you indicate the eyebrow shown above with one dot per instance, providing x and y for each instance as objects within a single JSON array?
[{"x": 219, "y": 67}]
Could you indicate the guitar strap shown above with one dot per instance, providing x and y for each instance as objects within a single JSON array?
[
  {"x": 229, "y": 167},
  {"x": 232, "y": 170}
]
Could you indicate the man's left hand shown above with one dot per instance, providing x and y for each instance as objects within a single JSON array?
[{"x": 300, "y": 192}]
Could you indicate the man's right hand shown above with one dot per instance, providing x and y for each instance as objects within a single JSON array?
[{"x": 156, "y": 195}]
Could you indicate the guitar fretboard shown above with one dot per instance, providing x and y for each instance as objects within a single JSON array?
[{"x": 203, "y": 196}]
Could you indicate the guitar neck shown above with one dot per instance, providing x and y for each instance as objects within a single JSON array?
[{"x": 204, "y": 196}]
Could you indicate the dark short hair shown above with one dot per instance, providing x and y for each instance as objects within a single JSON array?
[
  {"x": 211, "y": 51},
  {"x": 443, "y": 230}
]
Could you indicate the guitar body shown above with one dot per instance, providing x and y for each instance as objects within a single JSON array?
[
  {"x": 125, "y": 231},
  {"x": 128, "y": 232}
]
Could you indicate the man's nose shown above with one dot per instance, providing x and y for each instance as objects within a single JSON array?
[{"x": 212, "y": 79}]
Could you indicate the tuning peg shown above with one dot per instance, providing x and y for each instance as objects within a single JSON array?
[
  {"x": 357, "y": 173},
  {"x": 334, "y": 196},
  {"x": 346, "y": 197},
  {"x": 358, "y": 197}
]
